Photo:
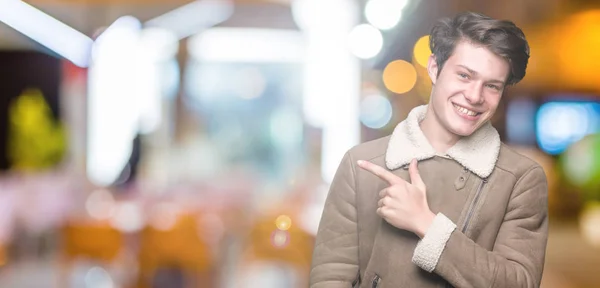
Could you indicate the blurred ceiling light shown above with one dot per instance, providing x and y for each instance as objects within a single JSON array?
[
  {"x": 247, "y": 45},
  {"x": 331, "y": 76},
  {"x": 192, "y": 18},
  {"x": 46, "y": 30},
  {"x": 319, "y": 16},
  {"x": 159, "y": 44},
  {"x": 113, "y": 107},
  {"x": 384, "y": 14},
  {"x": 156, "y": 47},
  {"x": 125, "y": 29},
  {"x": 365, "y": 41},
  {"x": 399, "y": 76}
]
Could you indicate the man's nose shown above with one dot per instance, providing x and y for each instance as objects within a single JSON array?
[{"x": 475, "y": 94}]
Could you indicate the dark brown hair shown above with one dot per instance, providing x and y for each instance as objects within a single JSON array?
[{"x": 501, "y": 37}]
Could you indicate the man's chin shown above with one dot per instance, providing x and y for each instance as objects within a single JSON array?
[{"x": 464, "y": 131}]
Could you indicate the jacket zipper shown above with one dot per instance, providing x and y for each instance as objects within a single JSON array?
[
  {"x": 376, "y": 280},
  {"x": 470, "y": 212},
  {"x": 473, "y": 205},
  {"x": 356, "y": 282}
]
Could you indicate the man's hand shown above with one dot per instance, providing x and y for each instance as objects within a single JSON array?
[{"x": 403, "y": 204}]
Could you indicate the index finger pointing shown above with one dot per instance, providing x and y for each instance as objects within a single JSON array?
[{"x": 380, "y": 172}]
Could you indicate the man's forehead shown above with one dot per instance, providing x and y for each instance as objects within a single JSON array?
[{"x": 479, "y": 60}]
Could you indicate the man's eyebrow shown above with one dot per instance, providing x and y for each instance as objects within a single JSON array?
[
  {"x": 475, "y": 73},
  {"x": 468, "y": 69}
]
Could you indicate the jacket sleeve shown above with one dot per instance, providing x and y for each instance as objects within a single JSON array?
[
  {"x": 335, "y": 256},
  {"x": 517, "y": 259}
]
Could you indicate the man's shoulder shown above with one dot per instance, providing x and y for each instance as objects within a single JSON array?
[
  {"x": 370, "y": 150},
  {"x": 510, "y": 160}
]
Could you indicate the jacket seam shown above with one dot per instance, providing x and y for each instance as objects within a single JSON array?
[
  {"x": 514, "y": 188},
  {"x": 509, "y": 172},
  {"x": 355, "y": 189},
  {"x": 534, "y": 167},
  {"x": 380, "y": 155},
  {"x": 495, "y": 276}
]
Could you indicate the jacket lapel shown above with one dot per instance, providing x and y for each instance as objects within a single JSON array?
[{"x": 477, "y": 152}]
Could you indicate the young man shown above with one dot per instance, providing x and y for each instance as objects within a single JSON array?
[{"x": 441, "y": 201}]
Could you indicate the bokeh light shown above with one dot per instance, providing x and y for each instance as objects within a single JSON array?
[
  {"x": 375, "y": 111},
  {"x": 421, "y": 51},
  {"x": 283, "y": 222},
  {"x": 579, "y": 48},
  {"x": 365, "y": 41},
  {"x": 128, "y": 217},
  {"x": 100, "y": 204},
  {"x": 384, "y": 14},
  {"x": 280, "y": 239},
  {"x": 97, "y": 277},
  {"x": 560, "y": 124},
  {"x": 581, "y": 165},
  {"x": 589, "y": 223},
  {"x": 399, "y": 76}
]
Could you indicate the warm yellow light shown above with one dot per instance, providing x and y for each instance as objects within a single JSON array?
[
  {"x": 283, "y": 222},
  {"x": 399, "y": 76},
  {"x": 589, "y": 223},
  {"x": 421, "y": 51}
]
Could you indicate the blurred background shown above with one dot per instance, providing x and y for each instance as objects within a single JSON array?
[{"x": 148, "y": 143}]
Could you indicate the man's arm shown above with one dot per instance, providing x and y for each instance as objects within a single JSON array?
[
  {"x": 335, "y": 257},
  {"x": 517, "y": 259}
]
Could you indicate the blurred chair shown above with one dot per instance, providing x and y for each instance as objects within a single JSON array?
[
  {"x": 3, "y": 255},
  {"x": 276, "y": 241},
  {"x": 175, "y": 256},
  {"x": 97, "y": 241}
]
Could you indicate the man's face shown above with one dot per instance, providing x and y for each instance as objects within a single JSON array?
[{"x": 467, "y": 91}]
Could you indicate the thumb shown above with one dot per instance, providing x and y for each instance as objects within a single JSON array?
[{"x": 415, "y": 177}]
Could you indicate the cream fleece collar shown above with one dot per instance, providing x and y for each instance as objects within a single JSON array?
[{"x": 477, "y": 152}]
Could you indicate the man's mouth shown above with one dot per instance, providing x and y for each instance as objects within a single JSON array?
[{"x": 466, "y": 111}]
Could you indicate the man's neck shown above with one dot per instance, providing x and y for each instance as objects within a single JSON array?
[{"x": 438, "y": 136}]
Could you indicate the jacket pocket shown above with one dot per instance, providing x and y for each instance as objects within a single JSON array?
[{"x": 375, "y": 282}]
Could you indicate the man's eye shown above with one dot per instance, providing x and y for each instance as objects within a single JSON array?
[
  {"x": 495, "y": 87},
  {"x": 463, "y": 75}
]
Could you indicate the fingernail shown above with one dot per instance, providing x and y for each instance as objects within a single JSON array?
[{"x": 360, "y": 162}]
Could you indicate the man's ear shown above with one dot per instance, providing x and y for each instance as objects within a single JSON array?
[{"x": 432, "y": 68}]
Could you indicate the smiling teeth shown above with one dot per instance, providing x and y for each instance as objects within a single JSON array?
[{"x": 465, "y": 111}]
